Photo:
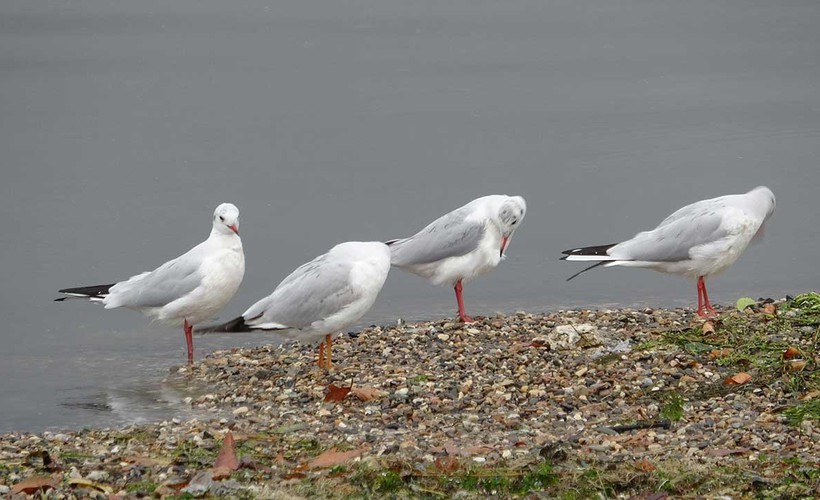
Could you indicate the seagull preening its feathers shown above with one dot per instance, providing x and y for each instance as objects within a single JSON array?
[
  {"x": 186, "y": 290},
  {"x": 320, "y": 298},
  {"x": 699, "y": 240},
  {"x": 462, "y": 244}
]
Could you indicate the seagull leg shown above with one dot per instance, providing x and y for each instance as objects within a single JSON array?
[
  {"x": 702, "y": 293},
  {"x": 189, "y": 341},
  {"x": 706, "y": 298},
  {"x": 321, "y": 360},
  {"x": 328, "y": 344},
  {"x": 462, "y": 316}
]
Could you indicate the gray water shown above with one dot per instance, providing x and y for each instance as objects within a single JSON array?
[{"x": 124, "y": 123}]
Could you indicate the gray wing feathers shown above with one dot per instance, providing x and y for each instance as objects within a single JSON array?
[
  {"x": 449, "y": 236},
  {"x": 157, "y": 288},
  {"x": 673, "y": 239},
  {"x": 311, "y": 293}
]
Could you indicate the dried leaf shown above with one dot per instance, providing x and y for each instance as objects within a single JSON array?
[
  {"x": 336, "y": 393},
  {"x": 367, "y": 393},
  {"x": 280, "y": 458},
  {"x": 536, "y": 344},
  {"x": 738, "y": 378},
  {"x": 809, "y": 395},
  {"x": 795, "y": 365},
  {"x": 227, "y": 454},
  {"x": 476, "y": 450},
  {"x": 708, "y": 328},
  {"x": 719, "y": 353},
  {"x": 333, "y": 457},
  {"x": 221, "y": 472},
  {"x": 769, "y": 308},
  {"x": 33, "y": 484},
  {"x": 294, "y": 475},
  {"x": 86, "y": 483},
  {"x": 644, "y": 465},
  {"x": 790, "y": 353},
  {"x": 446, "y": 464}
]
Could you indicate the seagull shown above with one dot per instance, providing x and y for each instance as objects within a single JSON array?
[
  {"x": 320, "y": 298},
  {"x": 698, "y": 240},
  {"x": 186, "y": 290},
  {"x": 462, "y": 244}
]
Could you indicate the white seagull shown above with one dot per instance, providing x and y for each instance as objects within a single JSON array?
[
  {"x": 698, "y": 240},
  {"x": 321, "y": 297},
  {"x": 462, "y": 244},
  {"x": 188, "y": 289}
]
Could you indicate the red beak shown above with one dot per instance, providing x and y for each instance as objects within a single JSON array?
[
  {"x": 234, "y": 228},
  {"x": 503, "y": 244}
]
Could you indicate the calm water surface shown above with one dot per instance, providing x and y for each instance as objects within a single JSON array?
[{"x": 124, "y": 123}]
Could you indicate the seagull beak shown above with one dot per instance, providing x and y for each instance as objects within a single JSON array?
[
  {"x": 234, "y": 228},
  {"x": 503, "y": 244}
]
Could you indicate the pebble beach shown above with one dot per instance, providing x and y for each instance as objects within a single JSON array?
[{"x": 626, "y": 403}]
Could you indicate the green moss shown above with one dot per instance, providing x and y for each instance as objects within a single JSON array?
[
  {"x": 143, "y": 487},
  {"x": 673, "y": 408}
]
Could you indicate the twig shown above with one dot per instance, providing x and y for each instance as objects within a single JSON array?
[{"x": 663, "y": 423}]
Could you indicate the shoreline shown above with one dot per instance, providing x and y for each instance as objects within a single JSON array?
[{"x": 616, "y": 401}]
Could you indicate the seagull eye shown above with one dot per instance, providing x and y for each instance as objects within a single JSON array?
[{"x": 222, "y": 218}]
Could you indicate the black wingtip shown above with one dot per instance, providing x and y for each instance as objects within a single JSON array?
[
  {"x": 236, "y": 325},
  {"x": 596, "y": 250},
  {"x": 88, "y": 291}
]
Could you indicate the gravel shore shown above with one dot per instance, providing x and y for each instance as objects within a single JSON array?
[{"x": 574, "y": 404}]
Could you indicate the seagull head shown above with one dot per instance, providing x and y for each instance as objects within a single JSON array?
[
  {"x": 226, "y": 219},
  {"x": 763, "y": 200},
  {"x": 510, "y": 214}
]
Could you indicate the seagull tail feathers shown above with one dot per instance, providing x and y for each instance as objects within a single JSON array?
[
  {"x": 95, "y": 292},
  {"x": 235, "y": 325},
  {"x": 597, "y": 254}
]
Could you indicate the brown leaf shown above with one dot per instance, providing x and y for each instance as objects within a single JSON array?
[
  {"x": 719, "y": 353},
  {"x": 280, "y": 458},
  {"x": 227, "y": 454},
  {"x": 738, "y": 378},
  {"x": 809, "y": 395},
  {"x": 33, "y": 484},
  {"x": 644, "y": 465},
  {"x": 336, "y": 393},
  {"x": 86, "y": 483},
  {"x": 769, "y": 308},
  {"x": 446, "y": 464},
  {"x": 790, "y": 353},
  {"x": 221, "y": 472},
  {"x": 367, "y": 393},
  {"x": 536, "y": 344},
  {"x": 795, "y": 365},
  {"x": 294, "y": 475},
  {"x": 708, "y": 328},
  {"x": 333, "y": 457}
]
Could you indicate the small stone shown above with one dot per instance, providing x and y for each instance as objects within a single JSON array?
[
  {"x": 241, "y": 410},
  {"x": 98, "y": 475}
]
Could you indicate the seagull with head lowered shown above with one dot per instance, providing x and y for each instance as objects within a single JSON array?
[
  {"x": 462, "y": 244},
  {"x": 188, "y": 289},
  {"x": 698, "y": 240},
  {"x": 320, "y": 298}
]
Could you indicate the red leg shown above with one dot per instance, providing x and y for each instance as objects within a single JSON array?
[
  {"x": 321, "y": 360},
  {"x": 328, "y": 344},
  {"x": 706, "y": 298},
  {"x": 189, "y": 341},
  {"x": 705, "y": 301},
  {"x": 462, "y": 316}
]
